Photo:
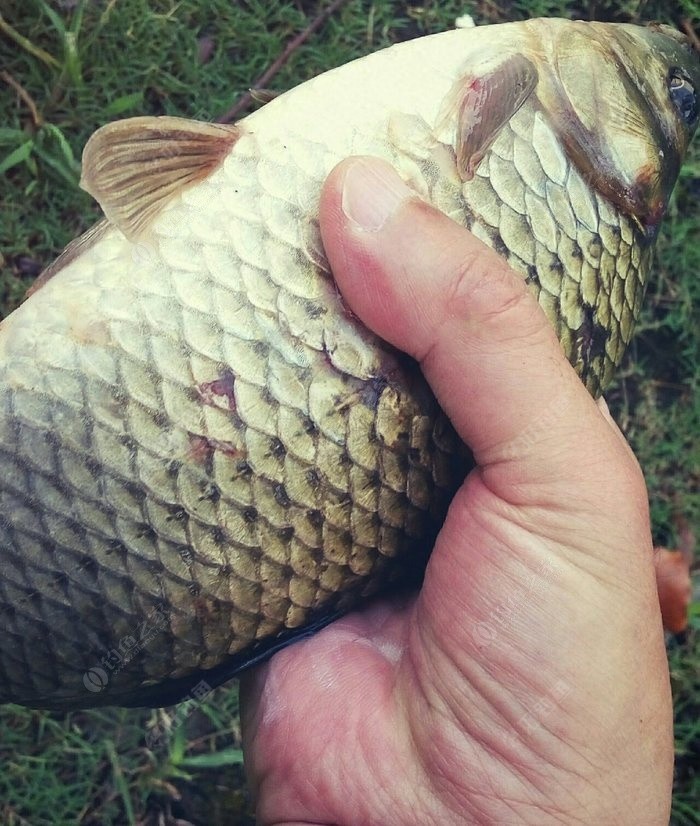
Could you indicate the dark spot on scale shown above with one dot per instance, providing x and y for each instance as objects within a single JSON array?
[
  {"x": 119, "y": 397},
  {"x": 309, "y": 426},
  {"x": 286, "y": 533},
  {"x": 595, "y": 248},
  {"x": 372, "y": 391},
  {"x": 88, "y": 565},
  {"x": 61, "y": 580},
  {"x": 212, "y": 494},
  {"x": 244, "y": 468},
  {"x": 281, "y": 496},
  {"x": 159, "y": 418},
  {"x": 135, "y": 491},
  {"x": 277, "y": 449},
  {"x": 576, "y": 251},
  {"x": 318, "y": 556},
  {"x": 315, "y": 517},
  {"x": 225, "y": 571},
  {"x": 499, "y": 245},
  {"x": 591, "y": 337},
  {"x": 313, "y": 478},
  {"x": 144, "y": 531},
  {"x": 219, "y": 536},
  {"x": 373, "y": 480},
  {"x": 314, "y": 310},
  {"x": 93, "y": 466},
  {"x": 414, "y": 455},
  {"x": 250, "y": 514},
  {"x": 114, "y": 546},
  {"x": 532, "y": 277},
  {"x": 177, "y": 514},
  {"x": 286, "y": 572},
  {"x": 52, "y": 438},
  {"x": 128, "y": 442}
]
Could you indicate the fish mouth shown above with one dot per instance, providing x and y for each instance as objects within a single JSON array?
[
  {"x": 648, "y": 226},
  {"x": 652, "y": 192}
]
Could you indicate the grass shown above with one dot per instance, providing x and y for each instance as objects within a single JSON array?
[{"x": 70, "y": 67}]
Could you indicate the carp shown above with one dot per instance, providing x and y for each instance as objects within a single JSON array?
[{"x": 204, "y": 454}]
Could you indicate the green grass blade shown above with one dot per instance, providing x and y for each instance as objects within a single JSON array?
[
  {"x": 215, "y": 760},
  {"x": 54, "y": 18},
  {"x": 8, "y": 135},
  {"x": 17, "y": 156},
  {"x": 120, "y": 782},
  {"x": 65, "y": 148},
  {"x": 124, "y": 103},
  {"x": 27, "y": 45}
]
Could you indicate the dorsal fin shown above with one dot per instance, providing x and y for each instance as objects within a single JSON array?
[
  {"x": 133, "y": 167},
  {"x": 70, "y": 253}
]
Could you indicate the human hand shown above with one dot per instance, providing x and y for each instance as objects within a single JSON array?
[{"x": 527, "y": 682}]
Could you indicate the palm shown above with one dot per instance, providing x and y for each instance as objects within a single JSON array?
[{"x": 359, "y": 724}]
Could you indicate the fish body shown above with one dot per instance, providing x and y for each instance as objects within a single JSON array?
[{"x": 204, "y": 454}]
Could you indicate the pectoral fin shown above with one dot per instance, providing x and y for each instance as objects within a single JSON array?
[
  {"x": 134, "y": 167},
  {"x": 486, "y": 100}
]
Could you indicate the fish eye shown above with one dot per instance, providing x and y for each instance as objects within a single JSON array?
[{"x": 683, "y": 95}]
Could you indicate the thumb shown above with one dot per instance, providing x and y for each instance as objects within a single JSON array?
[
  {"x": 545, "y": 554},
  {"x": 435, "y": 291}
]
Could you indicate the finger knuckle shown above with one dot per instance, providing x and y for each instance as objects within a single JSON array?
[{"x": 486, "y": 290}]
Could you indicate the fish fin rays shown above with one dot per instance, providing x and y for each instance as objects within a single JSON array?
[
  {"x": 134, "y": 167},
  {"x": 76, "y": 247},
  {"x": 485, "y": 102}
]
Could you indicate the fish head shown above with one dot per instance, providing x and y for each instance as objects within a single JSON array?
[{"x": 625, "y": 102}]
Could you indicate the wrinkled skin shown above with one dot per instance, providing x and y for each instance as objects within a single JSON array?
[{"x": 527, "y": 682}]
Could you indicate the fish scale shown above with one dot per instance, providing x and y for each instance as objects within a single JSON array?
[
  {"x": 570, "y": 278},
  {"x": 204, "y": 453},
  {"x": 134, "y": 446}
]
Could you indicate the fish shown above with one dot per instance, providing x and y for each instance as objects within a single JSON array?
[{"x": 205, "y": 455}]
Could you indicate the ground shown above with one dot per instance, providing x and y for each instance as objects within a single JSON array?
[{"x": 67, "y": 67}]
